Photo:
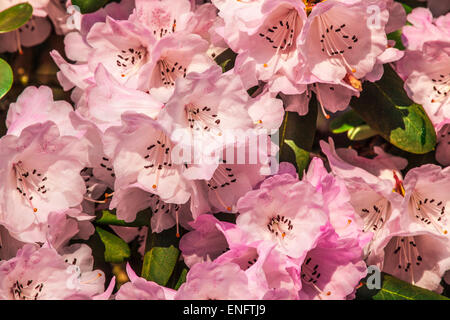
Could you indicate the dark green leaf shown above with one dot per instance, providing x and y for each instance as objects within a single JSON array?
[
  {"x": 301, "y": 157},
  {"x": 88, "y": 6},
  {"x": 142, "y": 219},
  {"x": 226, "y": 60},
  {"x": 396, "y": 289},
  {"x": 159, "y": 263},
  {"x": 6, "y": 77},
  {"x": 15, "y": 17},
  {"x": 386, "y": 107},
  {"x": 300, "y": 130},
  {"x": 413, "y": 4},
  {"x": 345, "y": 122},
  {"x": 116, "y": 250}
]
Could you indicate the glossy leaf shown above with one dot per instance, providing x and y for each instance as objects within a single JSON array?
[
  {"x": 159, "y": 263},
  {"x": 345, "y": 122},
  {"x": 6, "y": 77},
  {"x": 15, "y": 17},
  {"x": 109, "y": 218},
  {"x": 361, "y": 133},
  {"x": 396, "y": 289},
  {"x": 116, "y": 249},
  {"x": 88, "y": 6},
  {"x": 385, "y": 106},
  {"x": 301, "y": 157},
  {"x": 226, "y": 60},
  {"x": 299, "y": 129}
]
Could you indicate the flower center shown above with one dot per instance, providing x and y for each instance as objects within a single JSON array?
[
  {"x": 441, "y": 87},
  {"x": 130, "y": 60},
  {"x": 334, "y": 41},
  {"x": 310, "y": 275},
  {"x": 167, "y": 208},
  {"x": 375, "y": 216},
  {"x": 429, "y": 211},
  {"x": 29, "y": 183},
  {"x": 29, "y": 291},
  {"x": 309, "y": 5},
  {"x": 160, "y": 21},
  {"x": 281, "y": 31},
  {"x": 280, "y": 226},
  {"x": 223, "y": 177},
  {"x": 407, "y": 254},
  {"x": 170, "y": 71},
  {"x": 159, "y": 158},
  {"x": 202, "y": 118}
]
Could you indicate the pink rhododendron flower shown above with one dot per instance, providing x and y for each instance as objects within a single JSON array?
[
  {"x": 335, "y": 43},
  {"x": 32, "y": 168},
  {"x": 147, "y": 161},
  {"x": 345, "y": 221},
  {"x": 36, "y": 105},
  {"x": 107, "y": 100},
  {"x": 332, "y": 269},
  {"x": 208, "y": 239},
  {"x": 267, "y": 269},
  {"x": 427, "y": 75},
  {"x": 212, "y": 281},
  {"x": 419, "y": 257},
  {"x": 276, "y": 212},
  {"x": 370, "y": 183},
  {"x": 43, "y": 274},
  {"x": 268, "y": 31},
  {"x": 163, "y": 17}
]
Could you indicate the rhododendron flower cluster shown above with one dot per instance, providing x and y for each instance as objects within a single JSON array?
[{"x": 176, "y": 135}]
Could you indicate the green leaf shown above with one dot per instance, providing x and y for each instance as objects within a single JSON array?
[
  {"x": 361, "y": 133},
  {"x": 224, "y": 65},
  {"x": 6, "y": 77},
  {"x": 109, "y": 218},
  {"x": 385, "y": 106},
  {"x": 345, "y": 122},
  {"x": 407, "y": 8},
  {"x": 159, "y": 263},
  {"x": 413, "y": 4},
  {"x": 182, "y": 279},
  {"x": 396, "y": 289},
  {"x": 15, "y": 17},
  {"x": 301, "y": 157},
  {"x": 116, "y": 250},
  {"x": 397, "y": 37},
  {"x": 226, "y": 60},
  {"x": 88, "y": 6},
  {"x": 299, "y": 129}
]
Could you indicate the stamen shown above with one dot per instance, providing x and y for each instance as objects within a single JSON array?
[
  {"x": 99, "y": 275},
  {"x": 354, "y": 82}
]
